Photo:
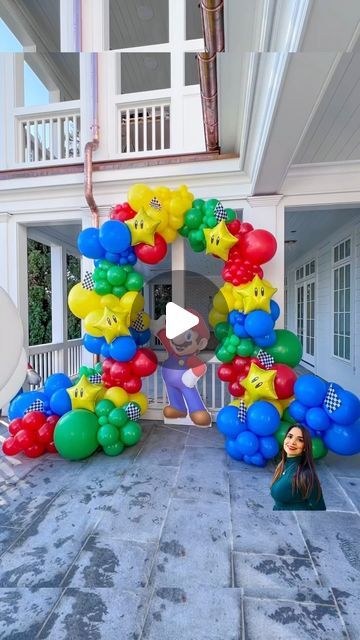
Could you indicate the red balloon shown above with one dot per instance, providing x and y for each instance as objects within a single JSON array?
[
  {"x": 120, "y": 372},
  {"x": 33, "y": 420},
  {"x": 234, "y": 227},
  {"x": 284, "y": 380},
  {"x": 107, "y": 380},
  {"x": 10, "y": 447},
  {"x": 25, "y": 438},
  {"x": 144, "y": 362},
  {"x": 51, "y": 447},
  {"x": 15, "y": 426},
  {"x": 151, "y": 255},
  {"x": 53, "y": 420},
  {"x": 122, "y": 212},
  {"x": 226, "y": 373},
  {"x": 35, "y": 450},
  {"x": 246, "y": 227},
  {"x": 107, "y": 364},
  {"x": 236, "y": 389},
  {"x": 240, "y": 364},
  {"x": 46, "y": 433},
  {"x": 258, "y": 246},
  {"x": 132, "y": 386}
]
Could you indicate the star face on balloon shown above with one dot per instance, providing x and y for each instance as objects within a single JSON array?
[
  {"x": 219, "y": 240},
  {"x": 113, "y": 324},
  {"x": 83, "y": 395},
  {"x": 259, "y": 384},
  {"x": 142, "y": 228},
  {"x": 257, "y": 295}
]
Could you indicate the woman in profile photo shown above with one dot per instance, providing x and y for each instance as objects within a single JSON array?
[{"x": 295, "y": 485}]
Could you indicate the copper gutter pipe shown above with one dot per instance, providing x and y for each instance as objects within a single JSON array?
[
  {"x": 92, "y": 145},
  {"x": 212, "y": 17}
]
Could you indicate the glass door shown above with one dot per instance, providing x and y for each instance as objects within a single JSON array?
[{"x": 305, "y": 319}]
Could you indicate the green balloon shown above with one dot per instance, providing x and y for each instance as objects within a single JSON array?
[
  {"x": 98, "y": 368},
  {"x": 116, "y": 275},
  {"x": 193, "y": 218},
  {"x": 130, "y": 434},
  {"x": 114, "y": 449},
  {"x": 221, "y": 330},
  {"x": 119, "y": 291},
  {"x": 281, "y": 432},
  {"x": 318, "y": 448},
  {"x": 103, "y": 287},
  {"x": 102, "y": 274},
  {"x": 224, "y": 355},
  {"x": 210, "y": 205},
  {"x": 84, "y": 371},
  {"x": 104, "y": 407},
  {"x": 245, "y": 347},
  {"x": 134, "y": 281},
  {"x": 231, "y": 215},
  {"x": 287, "y": 348},
  {"x": 198, "y": 204},
  {"x": 128, "y": 268},
  {"x": 97, "y": 274},
  {"x": 107, "y": 435},
  {"x": 197, "y": 247},
  {"x": 118, "y": 417},
  {"x": 75, "y": 434},
  {"x": 184, "y": 231},
  {"x": 212, "y": 222},
  {"x": 103, "y": 420},
  {"x": 286, "y": 416},
  {"x": 105, "y": 264}
]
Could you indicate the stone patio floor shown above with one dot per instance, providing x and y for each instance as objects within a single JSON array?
[{"x": 172, "y": 540}]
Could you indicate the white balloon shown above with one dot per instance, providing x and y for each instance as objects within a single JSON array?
[
  {"x": 15, "y": 381},
  {"x": 11, "y": 338}
]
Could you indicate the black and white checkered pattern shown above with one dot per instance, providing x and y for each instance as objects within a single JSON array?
[
  {"x": 37, "y": 405},
  {"x": 242, "y": 411},
  {"x": 219, "y": 212},
  {"x": 95, "y": 378},
  {"x": 332, "y": 400},
  {"x": 133, "y": 411},
  {"x": 88, "y": 281},
  {"x": 155, "y": 204},
  {"x": 138, "y": 323},
  {"x": 266, "y": 359}
]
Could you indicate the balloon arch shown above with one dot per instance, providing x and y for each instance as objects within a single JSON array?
[{"x": 101, "y": 408}]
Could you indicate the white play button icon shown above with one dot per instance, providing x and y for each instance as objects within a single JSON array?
[{"x": 178, "y": 320}]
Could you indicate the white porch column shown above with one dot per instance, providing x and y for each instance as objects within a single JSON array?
[
  {"x": 267, "y": 212},
  {"x": 59, "y": 302},
  {"x": 178, "y": 271},
  {"x": 177, "y": 36},
  {"x": 18, "y": 272},
  {"x": 4, "y": 253},
  {"x": 95, "y": 25},
  {"x": 70, "y": 25},
  {"x": 12, "y": 92}
]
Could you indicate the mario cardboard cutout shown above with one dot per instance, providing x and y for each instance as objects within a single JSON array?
[{"x": 182, "y": 369}]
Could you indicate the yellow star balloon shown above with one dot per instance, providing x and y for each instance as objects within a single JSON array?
[
  {"x": 219, "y": 240},
  {"x": 84, "y": 394},
  {"x": 257, "y": 295},
  {"x": 113, "y": 324},
  {"x": 259, "y": 384},
  {"x": 142, "y": 228}
]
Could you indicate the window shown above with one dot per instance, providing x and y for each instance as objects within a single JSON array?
[
  {"x": 306, "y": 270},
  {"x": 341, "y": 300},
  {"x": 300, "y": 314}
]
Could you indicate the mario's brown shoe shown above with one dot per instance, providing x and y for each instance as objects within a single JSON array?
[
  {"x": 170, "y": 412},
  {"x": 201, "y": 419}
]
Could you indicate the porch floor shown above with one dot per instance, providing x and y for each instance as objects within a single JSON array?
[{"x": 174, "y": 541}]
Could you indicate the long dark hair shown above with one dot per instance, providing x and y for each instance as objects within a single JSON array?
[{"x": 305, "y": 478}]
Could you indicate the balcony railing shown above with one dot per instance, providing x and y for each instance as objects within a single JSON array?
[
  {"x": 49, "y": 134},
  {"x": 143, "y": 126},
  {"x": 62, "y": 357}
]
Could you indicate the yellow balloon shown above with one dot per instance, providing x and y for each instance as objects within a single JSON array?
[
  {"x": 82, "y": 301},
  {"x": 84, "y": 394},
  {"x": 215, "y": 317},
  {"x": 133, "y": 303},
  {"x": 113, "y": 324},
  {"x": 220, "y": 303},
  {"x": 139, "y": 195},
  {"x": 162, "y": 193},
  {"x": 117, "y": 395},
  {"x": 257, "y": 295},
  {"x": 142, "y": 228},
  {"x": 111, "y": 302},
  {"x": 160, "y": 216},
  {"x": 90, "y": 323},
  {"x": 286, "y": 401},
  {"x": 259, "y": 384},
  {"x": 141, "y": 400},
  {"x": 169, "y": 234},
  {"x": 219, "y": 240}
]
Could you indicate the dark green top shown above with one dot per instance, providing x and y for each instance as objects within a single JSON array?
[{"x": 286, "y": 500}]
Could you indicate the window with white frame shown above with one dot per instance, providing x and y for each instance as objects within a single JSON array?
[{"x": 341, "y": 299}]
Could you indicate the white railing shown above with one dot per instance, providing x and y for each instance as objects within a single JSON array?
[
  {"x": 64, "y": 357},
  {"x": 143, "y": 126},
  {"x": 49, "y": 133}
]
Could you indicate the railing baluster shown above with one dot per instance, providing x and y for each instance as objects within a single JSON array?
[
  {"x": 136, "y": 125},
  {"x": 36, "y": 141},
  {"x": 51, "y": 133},
  {"x": 128, "y": 145},
  {"x": 28, "y": 141},
  {"x": 145, "y": 128},
  {"x": 153, "y": 125},
  {"x": 66, "y": 137},
  {"x": 162, "y": 127},
  {"x": 59, "y": 142},
  {"x": 43, "y": 141}
]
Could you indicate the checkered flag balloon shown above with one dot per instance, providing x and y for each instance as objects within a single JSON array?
[
  {"x": 95, "y": 378},
  {"x": 155, "y": 204},
  {"x": 88, "y": 281},
  {"x": 332, "y": 400},
  {"x": 133, "y": 411},
  {"x": 266, "y": 359},
  {"x": 37, "y": 405},
  {"x": 242, "y": 411},
  {"x": 219, "y": 212},
  {"x": 138, "y": 323}
]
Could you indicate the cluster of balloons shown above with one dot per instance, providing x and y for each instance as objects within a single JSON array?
[
  {"x": 203, "y": 215},
  {"x": 32, "y": 435},
  {"x": 254, "y": 247},
  {"x": 116, "y": 279},
  {"x": 127, "y": 375}
]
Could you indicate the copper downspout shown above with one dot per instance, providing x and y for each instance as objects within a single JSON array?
[
  {"x": 212, "y": 17},
  {"x": 91, "y": 146}
]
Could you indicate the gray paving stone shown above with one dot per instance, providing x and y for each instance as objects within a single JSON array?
[
  {"x": 203, "y": 474},
  {"x": 334, "y": 544},
  {"x": 50, "y": 474},
  {"x": 163, "y": 447},
  {"x": 23, "y": 611},
  {"x": 141, "y": 504},
  {"x": 288, "y": 620},
  {"x": 194, "y": 614},
  {"x": 301, "y": 593},
  {"x": 14, "y": 468},
  {"x": 348, "y": 602},
  {"x": 352, "y": 488},
  {"x": 44, "y": 552},
  {"x": 93, "y": 614},
  {"x": 22, "y": 503},
  {"x": 251, "y": 487},
  {"x": 346, "y": 466},
  {"x": 104, "y": 473},
  {"x": 261, "y": 571},
  {"x": 205, "y": 438},
  {"x": 108, "y": 562},
  {"x": 334, "y": 496},
  {"x": 8, "y": 536},
  {"x": 194, "y": 547}
]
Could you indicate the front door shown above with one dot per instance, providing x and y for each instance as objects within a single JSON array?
[{"x": 305, "y": 319}]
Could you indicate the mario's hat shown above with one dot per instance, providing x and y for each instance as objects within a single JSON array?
[{"x": 201, "y": 328}]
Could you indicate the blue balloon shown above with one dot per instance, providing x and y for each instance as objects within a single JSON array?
[
  {"x": 93, "y": 344},
  {"x": 343, "y": 439},
  {"x": 114, "y": 236},
  {"x": 274, "y": 310},
  {"x": 56, "y": 381},
  {"x": 233, "y": 449},
  {"x": 297, "y": 411},
  {"x": 234, "y": 316},
  {"x": 105, "y": 351},
  {"x": 262, "y": 418},
  {"x": 349, "y": 410},
  {"x": 60, "y": 402},
  {"x": 266, "y": 341},
  {"x": 310, "y": 390},
  {"x": 317, "y": 419},
  {"x": 228, "y": 423},
  {"x": 112, "y": 257},
  {"x": 269, "y": 447},
  {"x": 259, "y": 323},
  {"x": 240, "y": 330},
  {"x": 140, "y": 337},
  {"x": 258, "y": 460},
  {"x": 122, "y": 348},
  {"x": 22, "y": 402},
  {"x": 88, "y": 243},
  {"x": 248, "y": 443}
]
